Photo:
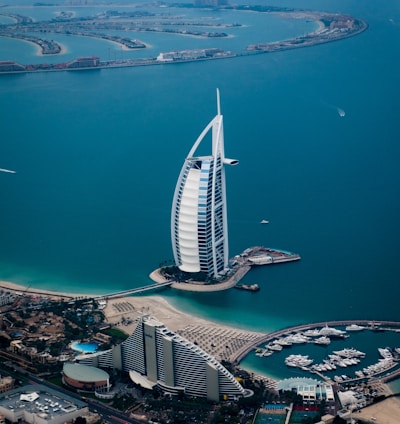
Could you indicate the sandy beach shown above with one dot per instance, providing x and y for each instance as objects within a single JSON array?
[
  {"x": 7, "y": 285},
  {"x": 222, "y": 341},
  {"x": 385, "y": 412}
]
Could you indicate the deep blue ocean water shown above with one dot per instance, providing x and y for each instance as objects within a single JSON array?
[{"x": 98, "y": 154}]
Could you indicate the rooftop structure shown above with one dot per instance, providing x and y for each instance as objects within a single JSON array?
[
  {"x": 199, "y": 230},
  {"x": 40, "y": 405},
  {"x": 310, "y": 389}
]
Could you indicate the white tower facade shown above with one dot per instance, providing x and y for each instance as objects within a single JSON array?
[{"x": 199, "y": 229}]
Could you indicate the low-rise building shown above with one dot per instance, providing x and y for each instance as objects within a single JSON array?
[
  {"x": 85, "y": 377},
  {"x": 312, "y": 391},
  {"x": 6, "y": 384},
  {"x": 40, "y": 405}
]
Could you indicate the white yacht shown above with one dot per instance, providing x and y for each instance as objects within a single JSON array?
[
  {"x": 283, "y": 341},
  {"x": 299, "y": 361},
  {"x": 385, "y": 352},
  {"x": 313, "y": 332},
  {"x": 330, "y": 331},
  {"x": 333, "y": 366},
  {"x": 323, "y": 340},
  {"x": 354, "y": 327},
  {"x": 349, "y": 353},
  {"x": 274, "y": 346},
  {"x": 298, "y": 338}
]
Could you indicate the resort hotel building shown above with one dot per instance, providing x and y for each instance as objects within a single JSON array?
[
  {"x": 199, "y": 229},
  {"x": 157, "y": 357}
]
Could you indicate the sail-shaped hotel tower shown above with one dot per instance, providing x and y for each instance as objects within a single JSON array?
[{"x": 199, "y": 230}]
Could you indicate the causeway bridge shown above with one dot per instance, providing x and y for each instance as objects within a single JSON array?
[{"x": 136, "y": 290}]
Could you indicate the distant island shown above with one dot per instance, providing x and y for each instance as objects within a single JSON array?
[{"x": 331, "y": 27}]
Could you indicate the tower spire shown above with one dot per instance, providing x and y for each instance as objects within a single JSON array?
[
  {"x": 199, "y": 228},
  {"x": 218, "y": 103}
]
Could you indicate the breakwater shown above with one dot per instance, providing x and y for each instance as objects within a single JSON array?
[{"x": 240, "y": 354}]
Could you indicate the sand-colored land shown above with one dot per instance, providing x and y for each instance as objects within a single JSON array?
[
  {"x": 221, "y": 341},
  {"x": 7, "y": 285},
  {"x": 385, "y": 412}
]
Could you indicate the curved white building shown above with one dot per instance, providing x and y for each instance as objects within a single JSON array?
[
  {"x": 153, "y": 356},
  {"x": 199, "y": 230}
]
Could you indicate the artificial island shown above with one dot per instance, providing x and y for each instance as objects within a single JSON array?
[
  {"x": 106, "y": 26},
  {"x": 199, "y": 224}
]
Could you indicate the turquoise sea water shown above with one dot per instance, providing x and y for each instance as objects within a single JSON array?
[{"x": 98, "y": 154}]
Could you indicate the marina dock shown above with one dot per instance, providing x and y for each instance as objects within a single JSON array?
[{"x": 372, "y": 325}]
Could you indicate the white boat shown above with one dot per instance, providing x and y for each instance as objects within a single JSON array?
[
  {"x": 385, "y": 353},
  {"x": 283, "y": 341},
  {"x": 332, "y": 332},
  {"x": 323, "y": 340},
  {"x": 264, "y": 221},
  {"x": 274, "y": 346},
  {"x": 354, "y": 327},
  {"x": 297, "y": 338},
  {"x": 299, "y": 361},
  {"x": 312, "y": 332},
  {"x": 349, "y": 353}
]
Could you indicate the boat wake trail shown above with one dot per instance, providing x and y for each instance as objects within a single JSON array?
[
  {"x": 8, "y": 171},
  {"x": 339, "y": 110}
]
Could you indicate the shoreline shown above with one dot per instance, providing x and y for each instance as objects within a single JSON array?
[
  {"x": 320, "y": 35},
  {"x": 222, "y": 341},
  {"x": 125, "y": 312},
  {"x": 15, "y": 287},
  {"x": 229, "y": 283}
]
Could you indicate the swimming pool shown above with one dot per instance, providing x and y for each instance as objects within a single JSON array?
[{"x": 84, "y": 347}]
